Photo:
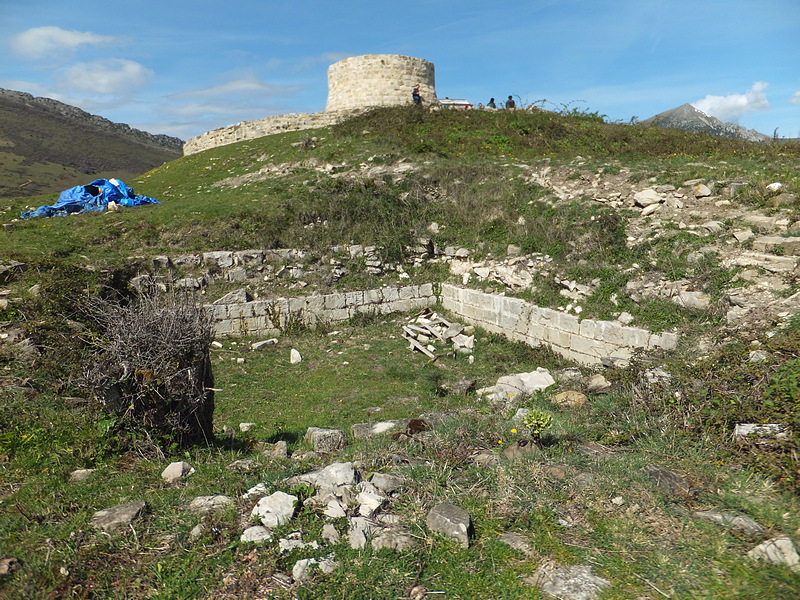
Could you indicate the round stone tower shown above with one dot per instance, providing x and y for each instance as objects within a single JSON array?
[{"x": 379, "y": 80}]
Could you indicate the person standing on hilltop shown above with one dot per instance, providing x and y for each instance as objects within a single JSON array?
[
  {"x": 415, "y": 95},
  {"x": 491, "y": 103},
  {"x": 510, "y": 103}
]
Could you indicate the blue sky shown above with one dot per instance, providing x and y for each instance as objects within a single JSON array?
[{"x": 183, "y": 67}]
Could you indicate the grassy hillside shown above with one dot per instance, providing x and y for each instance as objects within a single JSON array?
[
  {"x": 44, "y": 151},
  {"x": 512, "y": 189}
]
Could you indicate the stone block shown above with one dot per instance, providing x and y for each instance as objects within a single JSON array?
[
  {"x": 297, "y": 305},
  {"x": 372, "y": 296},
  {"x": 635, "y": 337},
  {"x": 261, "y": 308},
  {"x": 315, "y": 304},
  {"x": 451, "y": 521},
  {"x": 334, "y": 301},
  {"x": 511, "y": 306},
  {"x": 325, "y": 440},
  {"x": 353, "y": 299},
  {"x": 222, "y": 259},
  {"x": 249, "y": 257},
  {"x": 390, "y": 294},
  {"x": 609, "y": 332},
  {"x": 567, "y": 322},
  {"x": 339, "y": 314},
  {"x": 587, "y": 328}
]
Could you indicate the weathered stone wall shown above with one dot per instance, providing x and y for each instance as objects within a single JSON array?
[
  {"x": 270, "y": 317},
  {"x": 249, "y": 130},
  {"x": 378, "y": 80},
  {"x": 586, "y": 341}
]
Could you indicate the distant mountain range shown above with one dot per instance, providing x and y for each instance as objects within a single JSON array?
[
  {"x": 689, "y": 118},
  {"x": 47, "y": 146}
]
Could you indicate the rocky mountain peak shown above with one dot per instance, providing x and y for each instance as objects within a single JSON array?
[{"x": 689, "y": 118}]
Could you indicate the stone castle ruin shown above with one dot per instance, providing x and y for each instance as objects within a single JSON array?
[
  {"x": 378, "y": 80},
  {"x": 354, "y": 84}
]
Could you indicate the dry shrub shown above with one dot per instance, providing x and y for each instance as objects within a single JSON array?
[{"x": 153, "y": 368}]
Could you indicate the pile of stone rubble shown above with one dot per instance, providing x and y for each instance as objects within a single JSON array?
[{"x": 428, "y": 328}]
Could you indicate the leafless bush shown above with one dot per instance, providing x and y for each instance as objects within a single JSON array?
[{"x": 153, "y": 366}]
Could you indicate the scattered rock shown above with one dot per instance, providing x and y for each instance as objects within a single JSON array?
[
  {"x": 176, "y": 471},
  {"x": 294, "y": 357},
  {"x": 759, "y": 433},
  {"x": 512, "y": 389},
  {"x": 657, "y": 375},
  {"x": 732, "y": 521},
  {"x": 597, "y": 383},
  {"x": 779, "y": 551},
  {"x": 668, "y": 481},
  {"x": 365, "y": 430},
  {"x": 329, "y": 534},
  {"x": 80, "y": 474},
  {"x": 235, "y": 297},
  {"x": 369, "y": 503},
  {"x": 701, "y": 191},
  {"x": 387, "y": 483},
  {"x": 244, "y": 465},
  {"x": 302, "y": 569},
  {"x": 295, "y": 542},
  {"x": 393, "y": 538},
  {"x": 258, "y": 534},
  {"x": 521, "y": 449},
  {"x": 206, "y": 504},
  {"x": 647, "y": 198},
  {"x": 335, "y": 474},
  {"x": 517, "y": 541},
  {"x": 9, "y": 564},
  {"x": 450, "y": 521},
  {"x": 569, "y": 583},
  {"x": 119, "y": 516},
  {"x": 277, "y": 450},
  {"x": 570, "y": 399},
  {"x": 275, "y": 510},
  {"x": 256, "y": 346},
  {"x": 325, "y": 440}
]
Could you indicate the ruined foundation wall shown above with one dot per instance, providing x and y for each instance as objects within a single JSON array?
[{"x": 587, "y": 341}]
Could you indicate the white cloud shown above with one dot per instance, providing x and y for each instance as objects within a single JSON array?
[
  {"x": 107, "y": 77},
  {"x": 795, "y": 99},
  {"x": 733, "y": 106},
  {"x": 47, "y": 42},
  {"x": 249, "y": 85}
]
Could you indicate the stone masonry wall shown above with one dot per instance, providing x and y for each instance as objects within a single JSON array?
[
  {"x": 586, "y": 341},
  {"x": 249, "y": 130},
  {"x": 270, "y": 317},
  {"x": 379, "y": 80}
]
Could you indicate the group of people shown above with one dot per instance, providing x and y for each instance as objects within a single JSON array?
[
  {"x": 417, "y": 98},
  {"x": 491, "y": 104}
]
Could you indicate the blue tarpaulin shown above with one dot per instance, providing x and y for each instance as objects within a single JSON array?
[{"x": 93, "y": 197}]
